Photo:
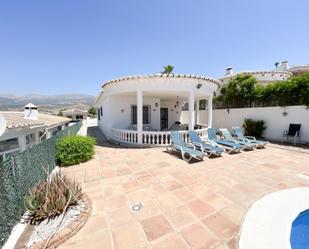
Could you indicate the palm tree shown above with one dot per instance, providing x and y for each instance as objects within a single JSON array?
[{"x": 168, "y": 69}]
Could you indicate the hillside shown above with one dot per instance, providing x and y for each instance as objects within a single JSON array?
[{"x": 46, "y": 103}]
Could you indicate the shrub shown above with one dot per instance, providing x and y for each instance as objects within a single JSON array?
[
  {"x": 254, "y": 127},
  {"x": 243, "y": 91},
  {"x": 52, "y": 197},
  {"x": 74, "y": 149}
]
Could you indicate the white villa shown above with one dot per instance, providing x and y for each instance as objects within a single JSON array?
[
  {"x": 142, "y": 110},
  {"x": 24, "y": 129},
  {"x": 263, "y": 77},
  {"x": 75, "y": 113}
]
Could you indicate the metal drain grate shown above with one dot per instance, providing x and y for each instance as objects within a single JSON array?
[{"x": 136, "y": 207}]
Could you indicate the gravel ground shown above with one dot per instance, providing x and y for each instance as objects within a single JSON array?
[{"x": 47, "y": 227}]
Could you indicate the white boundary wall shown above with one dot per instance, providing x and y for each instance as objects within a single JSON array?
[{"x": 275, "y": 121}]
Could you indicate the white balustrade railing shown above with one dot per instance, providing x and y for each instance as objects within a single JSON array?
[
  {"x": 157, "y": 138},
  {"x": 124, "y": 136}
]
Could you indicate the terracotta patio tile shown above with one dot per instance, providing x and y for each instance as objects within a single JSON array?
[
  {"x": 138, "y": 196},
  {"x": 216, "y": 201},
  {"x": 171, "y": 241},
  {"x": 156, "y": 227},
  {"x": 97, "y": 207},
  {"x": 198, "y": 237},
  {"x": 111, "y": 191},
  {"x": 130, "y": 186},
  {"x": 123, "y": 171},
  {"x": 130, "y": 235},
  {"x": 120, "y": 216},
  {"x": 234, "y": 213},
  {"x": 108, "y": 173},
  {"x": 100, "y": 240},
  {"x": 94, "y": 224},
  {"x": 149, "y": 210},
  {"x": 200, "y": 189},
  {"x": 184, "y": 195},
  {"x": 117, "y": 202},
  {"x": 168, "y": 201},
  {"x": 155, "y": 190},
  {"x": 69, "y": 245},
  {"x": 180, "y": 216},
  {"x": 222, "y": 246},
  {"x": 199, "y": 208},
  {"x": 171, "y": 185},
  {"x": 233, "y": 243},
  {"x": 222, "y": 227}
]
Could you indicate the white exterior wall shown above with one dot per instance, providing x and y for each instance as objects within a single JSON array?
[
  {"x": 21, "y": 133},
  {"x": 114, "y": 117},
  {"x": 202, "y": 117},
  {"x": 276, "y": 123}
]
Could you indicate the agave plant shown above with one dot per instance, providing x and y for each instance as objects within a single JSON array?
[
  {"x": 168, "y": 69},
  {"x": 51, "y": 197}
]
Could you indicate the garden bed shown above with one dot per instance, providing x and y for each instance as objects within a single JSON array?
[{"x": 36, "y": 236}]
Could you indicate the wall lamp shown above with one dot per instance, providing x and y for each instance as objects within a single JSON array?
[{"x": 199, "y": 85}]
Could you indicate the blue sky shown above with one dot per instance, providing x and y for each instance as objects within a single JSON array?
[{"x": 72, "y": 46}]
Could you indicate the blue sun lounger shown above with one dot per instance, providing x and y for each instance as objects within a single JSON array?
[
  {"x": 227, "y": 136},
  {"x": 229, "y": 146},
  {"x": 248, "y": 139},
  {"x": 209, "y": 149},
  {"x": 179, "y": 145}
]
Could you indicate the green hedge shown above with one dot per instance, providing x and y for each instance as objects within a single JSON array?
[
  {"x": 74, "y": 149},
  {"x": 244, "y": 91}
]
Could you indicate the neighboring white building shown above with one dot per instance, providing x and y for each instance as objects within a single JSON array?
[
  {"x": 143, "y": 109},
  {"x": 75, "y": 113},
  {"x": 263, "y": 77},
  {"x": 24, "y": 129},
  {"x": 282, "y": 71}
]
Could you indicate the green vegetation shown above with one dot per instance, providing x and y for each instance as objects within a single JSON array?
[
  {"x": 243, "y": 91},
  {"x": 60, "y": 113},
  {"x": 168, "y": 69},
  {"x": 52, "y": 197},
  {"x": 254, "y": 127},
  {"x": 92, "y": 111},
  {"x": 74, "y": 149}
]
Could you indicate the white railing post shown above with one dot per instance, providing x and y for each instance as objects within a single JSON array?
[
  {"x": 191, "y": 111},
  {"x": 210, "y": 111},
  {"x": 139, "y": 117}
]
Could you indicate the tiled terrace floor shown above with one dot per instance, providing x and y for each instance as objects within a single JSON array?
[{"x": 198, "y": 205}]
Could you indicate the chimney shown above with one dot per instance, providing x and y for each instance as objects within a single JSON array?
[
  {"x": 284, "y": 65},
  {"x": 229, "y": 71},
  {"x": 31, "y": 112}
]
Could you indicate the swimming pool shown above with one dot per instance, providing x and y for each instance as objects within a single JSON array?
[
  {"x": 279, "y": 220},
  {"x": 300, "y": 231}
]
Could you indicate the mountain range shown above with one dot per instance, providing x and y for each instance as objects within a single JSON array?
[{"x": 46, "y": 103}]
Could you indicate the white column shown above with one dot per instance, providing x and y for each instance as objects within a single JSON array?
[
  {"x": 191, "y": 111},
  {"x": 197, "y": 103},
  {"x": 139, "y": 117},
  {"x": 209, "y": 104}
]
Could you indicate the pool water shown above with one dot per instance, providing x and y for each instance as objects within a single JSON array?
[{"x": 300, "y": 231}]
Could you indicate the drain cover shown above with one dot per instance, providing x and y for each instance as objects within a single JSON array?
[{"x": 136, "y": 207}]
